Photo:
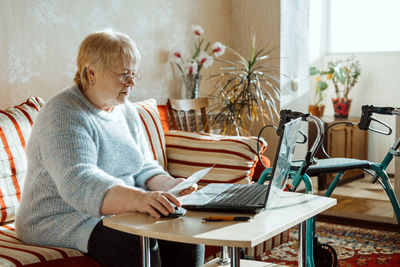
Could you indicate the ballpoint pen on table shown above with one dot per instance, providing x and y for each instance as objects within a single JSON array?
[{"x": 226, "y": 218}]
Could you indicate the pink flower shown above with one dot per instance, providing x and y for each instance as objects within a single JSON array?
[
  {"x": 218, "y": 49},
  {"x": 198, "y": 30},
  {"x": 205, "y": 59}
]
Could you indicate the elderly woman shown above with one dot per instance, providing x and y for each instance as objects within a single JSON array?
[{"x": 88, "y": 158}]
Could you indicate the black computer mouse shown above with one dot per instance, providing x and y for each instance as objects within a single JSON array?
[{"x": 178, "y": 212}]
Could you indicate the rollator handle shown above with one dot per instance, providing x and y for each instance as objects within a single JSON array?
[
  {"x": 367, "y": 110},
  {"x": 288, "y": 115},
  {"x": 366, "y": 118},
  {"x": 384, "y": 110}
]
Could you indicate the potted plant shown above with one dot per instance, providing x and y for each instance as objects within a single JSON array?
[
  {"x": 344, "y": 77},
  {"x": 321, "y": 86},
  {"x": 246, "y": 91}
]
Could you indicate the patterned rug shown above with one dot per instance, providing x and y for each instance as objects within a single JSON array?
[{"x": 354, "y": 246}]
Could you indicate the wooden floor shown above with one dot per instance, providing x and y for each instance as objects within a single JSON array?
[
  {"x": 361, "y": 212},
  {"x": 351, "y": 205}
]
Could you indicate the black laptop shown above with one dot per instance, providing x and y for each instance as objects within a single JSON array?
[{"x": 249, "y": 198}]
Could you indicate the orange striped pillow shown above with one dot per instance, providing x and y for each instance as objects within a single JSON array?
[
  {"x": 15, "y": 128},
  {"x": 235, "y": 157},
  {"x": 153, "y": 128}
]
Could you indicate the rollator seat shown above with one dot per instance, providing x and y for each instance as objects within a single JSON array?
[{"x": 333, "y": 165}]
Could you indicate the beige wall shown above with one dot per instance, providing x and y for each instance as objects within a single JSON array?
[
  {"x": 40, "y": 39},
  {"x": 267, "y": 30}
]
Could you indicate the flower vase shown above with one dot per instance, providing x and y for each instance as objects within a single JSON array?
[
  {"x": 341, "y": 107},
  {"x": 192, "y": 83}
]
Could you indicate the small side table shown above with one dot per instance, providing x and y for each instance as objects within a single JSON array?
[{"x": 293, "y": 209}]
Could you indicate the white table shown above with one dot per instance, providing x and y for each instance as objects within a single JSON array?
[{"x": 293, "y": 209}]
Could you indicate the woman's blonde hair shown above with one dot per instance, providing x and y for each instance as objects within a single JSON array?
[{"x": 102, "y": 49}]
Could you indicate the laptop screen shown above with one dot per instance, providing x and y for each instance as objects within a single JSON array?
[
  {"x": 283, "y": 159},
  {"x": 249, "y": 198}
]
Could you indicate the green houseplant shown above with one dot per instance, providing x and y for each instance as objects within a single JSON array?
[
  {"x": 246, "y": 90},
  {"x": 344, "y": 75},
  {"x": 321, "y": 87}
]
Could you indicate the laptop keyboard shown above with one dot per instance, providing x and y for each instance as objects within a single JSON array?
[{"x": 240, "y": 195}]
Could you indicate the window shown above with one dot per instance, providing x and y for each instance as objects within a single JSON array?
[{"x": 363, "y": 26}]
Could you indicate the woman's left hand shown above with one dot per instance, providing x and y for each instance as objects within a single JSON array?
[
  {"x": 186, "y": 191},
  {"x": 165, "y": 183}
]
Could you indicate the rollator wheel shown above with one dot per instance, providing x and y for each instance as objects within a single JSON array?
[{"x": 325, "y": 256}]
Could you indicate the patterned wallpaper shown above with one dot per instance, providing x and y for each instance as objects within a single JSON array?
[{"x": 40, "y": 39}]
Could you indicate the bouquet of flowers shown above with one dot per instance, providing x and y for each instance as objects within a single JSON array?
[{"x": 202, "y": 56}]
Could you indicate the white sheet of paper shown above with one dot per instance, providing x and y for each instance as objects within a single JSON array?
[{"x": 191, "y": 180}]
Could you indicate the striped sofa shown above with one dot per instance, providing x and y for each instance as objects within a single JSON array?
[{"x": 235, "y": 159}]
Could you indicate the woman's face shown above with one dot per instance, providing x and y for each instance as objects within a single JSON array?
[{"x": 113, "y": 86}]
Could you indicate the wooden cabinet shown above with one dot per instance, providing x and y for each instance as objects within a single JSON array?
[{"x": 340, "y": 141}]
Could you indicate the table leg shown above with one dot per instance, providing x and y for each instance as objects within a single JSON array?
[
  {"x": 306, "y": 236},
  {"x": 302, "y": 244},
  {"x": 224, "y": 259},
  {"x": 235, "y": 256},
  {"x": 145, "y": 243}
]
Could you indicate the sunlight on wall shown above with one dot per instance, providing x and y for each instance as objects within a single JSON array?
[
  {"x": 356, "y": 27},
  {"x": 364, "y": 26},
  {"x": 294, "y": 49},
  {"x": 316, "y": 25}
]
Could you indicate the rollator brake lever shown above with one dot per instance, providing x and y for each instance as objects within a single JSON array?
[
  {"x": 389, "y": 132},
  {"x": 396, "y": 111},
  {"x": 304, "y": 138}
]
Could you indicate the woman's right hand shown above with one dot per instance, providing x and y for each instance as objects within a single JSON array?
[
  {"x": 155, "y": 203},
  {"x": 122, "y": 198}
]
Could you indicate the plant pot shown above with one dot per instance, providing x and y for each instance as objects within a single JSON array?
[
  {"x": 341, "y": 107},
  {"x": 316, "y": 110}
]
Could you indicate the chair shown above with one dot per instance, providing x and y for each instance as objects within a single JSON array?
[{"x": 182, "y": 112}]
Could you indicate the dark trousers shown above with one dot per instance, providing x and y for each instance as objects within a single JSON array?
[{"x": 111, "y": 248}]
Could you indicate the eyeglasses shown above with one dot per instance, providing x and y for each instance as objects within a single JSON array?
[{"x": 126, "y": 78}]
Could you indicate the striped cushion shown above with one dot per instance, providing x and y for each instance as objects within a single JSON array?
[
  {"x": 15, "y": 253},
  {"x": 152, "y": 125},
  {"x": 235, "y": 156},
  {"x": 15, "y": 128}
]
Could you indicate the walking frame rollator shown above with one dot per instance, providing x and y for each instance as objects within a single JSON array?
[{"x": 323, "y": 254}]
